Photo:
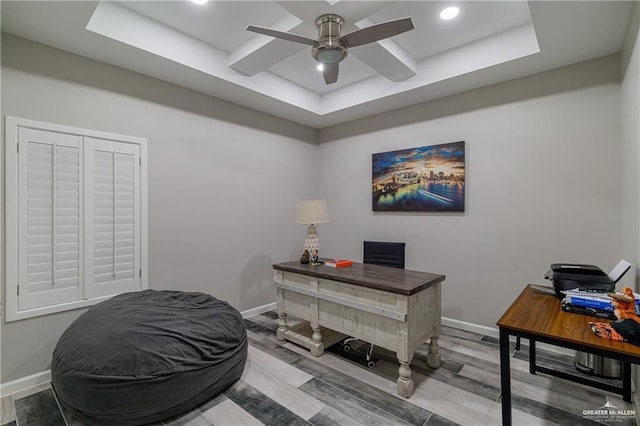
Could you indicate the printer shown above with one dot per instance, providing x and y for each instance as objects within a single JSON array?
[{"x": 569, "y": 276}]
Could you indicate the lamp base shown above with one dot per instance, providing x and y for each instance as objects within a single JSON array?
[{"x": 312, "y": 244}]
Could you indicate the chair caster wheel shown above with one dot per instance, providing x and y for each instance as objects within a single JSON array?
[
  {"x": 346, "y": 348},
  {"x": 371, "y": 364}
]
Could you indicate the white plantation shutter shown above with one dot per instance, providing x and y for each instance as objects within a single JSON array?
[
  {"x": 113, "y": 217},
  {"x": 50, "y": 233},
  {"x": 76, "y": 217}
]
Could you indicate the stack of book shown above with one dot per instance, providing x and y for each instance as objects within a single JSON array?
[
  {"x": 591, "y": 303},
  {"x": 338, "y": 263}
]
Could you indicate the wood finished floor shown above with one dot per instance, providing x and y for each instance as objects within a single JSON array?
[{"x": 284, "y": 385}]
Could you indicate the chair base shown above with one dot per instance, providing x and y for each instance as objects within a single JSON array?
[{"x": 346, "y": 347}]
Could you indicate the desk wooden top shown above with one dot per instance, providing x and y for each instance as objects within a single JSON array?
[
  {"x": 385, "y": 278},
  {"x": 541, "y": 314}
]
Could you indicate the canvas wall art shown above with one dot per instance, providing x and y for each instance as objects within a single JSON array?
[{"x": 424, "y": 179}]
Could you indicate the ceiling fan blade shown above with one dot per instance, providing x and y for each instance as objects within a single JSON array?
[
  {"x": 377, "y": 32},
  {"x": 330, "y": 73},
  {"x": 281, "y": 35}
]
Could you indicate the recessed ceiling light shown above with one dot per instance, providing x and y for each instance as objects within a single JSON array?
[
  {"x": 320, "y": 67},
  {"x": 449, "y": 13},
  {"x": 199, "y": 1}
]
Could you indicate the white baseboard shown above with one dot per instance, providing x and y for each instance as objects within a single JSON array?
[
  {"x": 24, "y": 383},
  {"x": 259, "y": 310},
  {"x": 494, "y": 332},
  {"x": 474, "y": 328}
]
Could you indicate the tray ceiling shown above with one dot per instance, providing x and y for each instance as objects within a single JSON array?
[{"x": 207, "y": 48}]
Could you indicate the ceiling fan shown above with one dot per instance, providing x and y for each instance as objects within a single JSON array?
[{"x": 330, "y": 48}]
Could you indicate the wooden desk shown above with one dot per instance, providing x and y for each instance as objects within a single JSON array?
[
  {"x": 396, "y": 309},
  {"x": 538, "y": 316}
]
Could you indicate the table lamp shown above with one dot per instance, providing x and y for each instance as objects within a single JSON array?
[{"x": 311, "y": 212}]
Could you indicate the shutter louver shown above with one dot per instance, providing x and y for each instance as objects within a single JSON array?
[
  {"x": 115, "y": 211},
  {"x": 114, "y": 214},
  {"x": 50, "y": 230}
]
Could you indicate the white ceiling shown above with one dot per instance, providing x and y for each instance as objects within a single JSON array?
[{"x": 206, "y": 48}]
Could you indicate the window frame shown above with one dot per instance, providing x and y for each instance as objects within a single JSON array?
[{"x": 11, "y": 214}]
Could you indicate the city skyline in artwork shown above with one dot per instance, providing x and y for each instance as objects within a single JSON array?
[{"x": 424, "y": 179}]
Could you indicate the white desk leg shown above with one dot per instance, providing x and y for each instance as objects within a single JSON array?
[
  {"x": 317, "y": 347},
  {"x": 404, "y": 352},
  {"x": 282, "y": 316},
  {"x": 405, "y": 382},
  {"x": 433, "y": 357}
]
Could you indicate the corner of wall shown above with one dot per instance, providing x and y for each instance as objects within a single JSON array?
[{"x": 631, "y": 36}]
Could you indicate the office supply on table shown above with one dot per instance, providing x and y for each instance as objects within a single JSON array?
[
  {"x": 600, "y": 301},
  {"x": 568, "y": 276},
  {"x": 538, "y": 317},
  {"x": 338, "y": 263},
  {"x": 583, "y": 310},
  {"x": 392, "y": 308}
]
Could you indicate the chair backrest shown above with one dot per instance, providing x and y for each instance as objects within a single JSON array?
[{"x": 384, "y": 253}]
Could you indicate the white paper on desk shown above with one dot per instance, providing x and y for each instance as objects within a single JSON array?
[
  {"x": 620, "y": 269},
  {"x": 587, "y": 294}
]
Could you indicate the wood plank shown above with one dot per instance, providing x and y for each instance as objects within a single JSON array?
[
  {"x": 540, "y": 313},
  {"x": 393, "y": 280}
]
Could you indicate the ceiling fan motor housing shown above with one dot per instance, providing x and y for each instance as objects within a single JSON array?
[{"x": 330, "y": 49}]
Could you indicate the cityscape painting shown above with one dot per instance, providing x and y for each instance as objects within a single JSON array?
[{"x": 423, "y": 179}]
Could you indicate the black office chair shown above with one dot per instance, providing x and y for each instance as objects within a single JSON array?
[{"x": 385, "y": 254}]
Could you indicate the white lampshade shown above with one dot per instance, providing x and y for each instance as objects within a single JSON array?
[{"x": 312, "y": 211}]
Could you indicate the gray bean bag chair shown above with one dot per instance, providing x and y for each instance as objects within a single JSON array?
[{"x": 143, "y": 357}]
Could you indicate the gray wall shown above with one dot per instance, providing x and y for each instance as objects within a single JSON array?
[
  {"x": 543, "y": 158},
  {"x": 631, "y": 151},
  {"x": 544, "y": 155},
  {"x": 223, "y": 180},
  {"x": 630, "y": 93}
]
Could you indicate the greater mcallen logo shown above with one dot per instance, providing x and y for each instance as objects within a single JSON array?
[{"x": 610, "y": 413}]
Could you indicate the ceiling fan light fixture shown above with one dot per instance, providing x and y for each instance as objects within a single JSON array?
[
  {"x": 331, "y": 47},
  {"x": 449, "y": 13},
  {"x": 329, "y": 55}
]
